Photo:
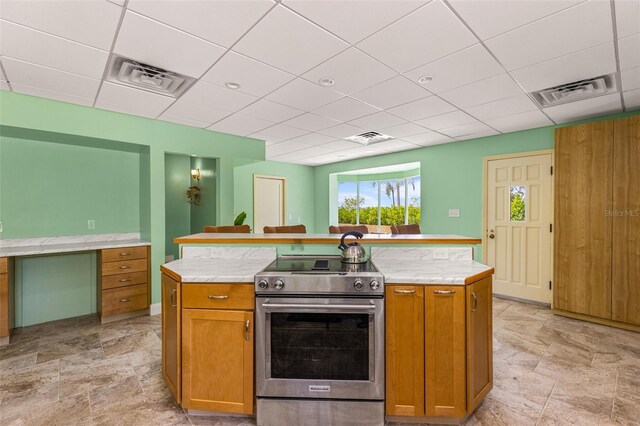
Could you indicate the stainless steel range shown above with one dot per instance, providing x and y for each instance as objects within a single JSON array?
[{"x": 319, "y": 342}]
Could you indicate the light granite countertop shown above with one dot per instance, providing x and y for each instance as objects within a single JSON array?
[
  {"x": 217, "y": 269},
  {"x": 68, "y": 244},
  {"x": 449, "y": 272}
]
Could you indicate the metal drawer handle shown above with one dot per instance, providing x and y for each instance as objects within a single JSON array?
[
  {"x": 316, "y": 306},
  {"x": 475, "y": 302},
  {"x": 444, "y": 291},
  {"x": 124, "y": 280},
  {"x": 173, "y": 298},
  {"x": 125, "y": 254},
  {"x": 247, "y": 327},
  {"x": 400, "y": 291},
  {"x": 126, "y": 300},
  {"x": 125, "y": 267},
  {"x": 213, "y": 296}
]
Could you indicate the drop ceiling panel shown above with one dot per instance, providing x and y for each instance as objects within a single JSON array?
[
  {"x": 342, "y": 131},
  {"x": 212, "y": 96},
  {"x": 2, "y": 76},
  {"x": 49, "y": 94},
  {"x": 632, "y": 99},
  {"x": 41, "y": 48},
  {"x": 423, "y": 108},
  {"x": 289, "y": 42},
  {"x": 254, "y": 77},
  {"x": 478, "y": 135},
  {"x": 630, "y": 79},
  {"x": 428, "y": 138},
  {"x": 627, "y": 17},
  {"x": 220, "y": 21},
  {"x": 588, "y": 63},
  {"x": 466, "y": 129},
  {"x": 401, "y": 131},
  {"x": 131, "y": 101},
  {"x": 280, "y": 132},
  {"x": 281, "y": 148},
  {"x": 538, "y": 41},
  {"x": 490, "y": 18},
  {"x": 488, "y": 90},
  {"x": 377, "y": 121},
  {"x": 311, "y": 139},
  {"x": 271, "y": 111},
  {"x": 629, "y": 51},
  {"x": 191, "y": 111},
  {"x": 425, "y": 35},
  {"x": 241, "y": 125},
  {"x": 448, "y": 120},
  {"x": 394, "y": 145},
  {"x": 157, "y": 44},
  {"x": 353, "y": 20},
  {"x": 502, "y": 108},
  {"x": 92, "y": 22},
  {"x": 50, "y": 79},
  {"x": 345, "y": 109},
  {"x": 311, "y": 122},
  {"x": 395, "y": 91},
  {"x": 304, "y": 95},
  {"x": 454, "y": 70},
  {"x": 521, "y": 121},
  {"x": 181, "y": 120},
  {"x": 607, "y": 104},
  {"x": 352, "y": 71}
]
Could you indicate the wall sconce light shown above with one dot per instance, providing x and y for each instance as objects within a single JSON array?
[{"x": 195, "y": 174}]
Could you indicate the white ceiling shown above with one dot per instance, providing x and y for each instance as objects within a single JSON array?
[{"x": 484, "y": 56}]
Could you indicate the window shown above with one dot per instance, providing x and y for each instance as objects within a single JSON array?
[
  {"x": 347, "y": 202},
  {"x": 517, "y": 204}
]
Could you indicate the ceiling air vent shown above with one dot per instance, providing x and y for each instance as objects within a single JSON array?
[
  {"x": 576, "y": 91},
  {"x": 143, "y": 76},
  {"x": 369, "y": 138}
]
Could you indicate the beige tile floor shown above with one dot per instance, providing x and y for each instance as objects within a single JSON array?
[{"x": 548, "y": 370}]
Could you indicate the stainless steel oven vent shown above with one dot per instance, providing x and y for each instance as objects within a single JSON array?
[
  {"x": 576, "y": 91},
  {"x": 147, "y": 77},
  {"x": 369, "y": 138}
]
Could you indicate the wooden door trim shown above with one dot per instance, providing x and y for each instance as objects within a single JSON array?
[
  {"x": 485, "y": 196},
  {"x": 284, "y": 197}
]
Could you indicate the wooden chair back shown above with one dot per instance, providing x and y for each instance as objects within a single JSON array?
[
  {"x": 291, "y": 229},
  {"x": 227, "y": 229}
]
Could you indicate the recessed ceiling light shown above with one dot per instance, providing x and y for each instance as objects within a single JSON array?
[
  {"x": 425, "y": 79},
  {"x": 326, "y": 81},
  {"x": 232, "y": 85}
]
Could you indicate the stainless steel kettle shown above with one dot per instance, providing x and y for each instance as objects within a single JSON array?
[{"x": 354, "y": 252}]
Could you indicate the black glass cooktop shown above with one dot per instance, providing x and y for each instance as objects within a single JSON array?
[{"x": 317, "y": 264}]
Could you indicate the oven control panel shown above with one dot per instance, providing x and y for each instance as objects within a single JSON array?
[{"x": 319, "y": 284}]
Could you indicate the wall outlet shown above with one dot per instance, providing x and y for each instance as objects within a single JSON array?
[
  {"x": 441, "y": 254},
  {"x": 454, "y": 212},
  {"x": 91, "y": 224}
]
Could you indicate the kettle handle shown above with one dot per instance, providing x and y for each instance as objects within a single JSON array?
[{"x": 356, "y": 234}]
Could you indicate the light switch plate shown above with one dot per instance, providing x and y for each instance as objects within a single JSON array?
[
  {"x": 441, "y": 254},
  {"x": 454, "y": 212}
]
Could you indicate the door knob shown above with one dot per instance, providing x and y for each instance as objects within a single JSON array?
[{"x": 492, "y": 236}]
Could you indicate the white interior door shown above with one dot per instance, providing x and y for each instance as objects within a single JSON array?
[
  {"x": 268, "y": 202},
  {"x": 519, "y": 212}
]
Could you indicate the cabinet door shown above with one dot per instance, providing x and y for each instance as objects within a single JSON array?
[
  {"x": 626, "y": 222},
  {"x": 445, "y": 351},
  {"x": 479, "y": 342},
  {"x": 217, "y": 360},
  {"x": 583, "y": 230},
  {"x": 171, "y": 335},
  {"x": 405, "y": 350}
]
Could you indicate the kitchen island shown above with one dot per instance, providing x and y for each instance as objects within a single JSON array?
[{"x": 438, "y": 349}]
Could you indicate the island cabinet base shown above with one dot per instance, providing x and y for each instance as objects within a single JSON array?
[{"x": 439, "y": 350}]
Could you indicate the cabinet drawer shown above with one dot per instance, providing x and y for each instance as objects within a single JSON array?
[
  {"x": 218, "y": 296},
  {"x": 125, "y": 266},
  {"x": 123, "y": 280},
  {"x": 124, "y": 253},
  {"x": 4, "y": 265},
  {"x": 125, "y": 299}
]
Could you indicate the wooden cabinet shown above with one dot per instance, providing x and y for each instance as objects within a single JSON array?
[
  {"x": 439, "y": 349},
  {"x": 6, "y": 299},
  {"x": 404, "y": 306},
  {"x": 123, "y": 282},
  {"x": 208, "y": 344},
  {"x": 597, "y": 222},
  {"x": 171, "y": 338}
]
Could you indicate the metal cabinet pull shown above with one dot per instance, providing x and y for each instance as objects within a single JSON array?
[
  {"x": 125, "y": 254},
  {"x": 400, "y": 291},
  {"x": 247, "y": 327},
  {"x": 173, "y": 298},
  {"x": 213, "y": 296},
  {"x": 475, "y": 302},
  {"x": 444, "y": 291},
  {"x": 125, "y": 267},
  {"x": 124, "y": 280},
  {"x": 126, "y": 300}
]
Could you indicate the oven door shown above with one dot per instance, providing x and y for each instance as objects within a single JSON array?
[{"x": 320, "y": 348}]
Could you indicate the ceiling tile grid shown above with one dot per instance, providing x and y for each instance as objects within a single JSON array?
[{"x": 481, "y": 59}]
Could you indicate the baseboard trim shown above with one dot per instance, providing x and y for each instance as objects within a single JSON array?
[
  {"x": 155, "y": 309},
  {"x": 518, "y": 299},
  {"x": 601, "y": 321}
]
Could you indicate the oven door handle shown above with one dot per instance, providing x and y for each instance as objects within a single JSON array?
[{"x": 316, "y": 306}]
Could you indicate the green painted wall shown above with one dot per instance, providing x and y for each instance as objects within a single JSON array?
[
  {"x": 177, "y": 211},
  {"x": 299, "y": 191},
  {"x": 205, "y": 213}
]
